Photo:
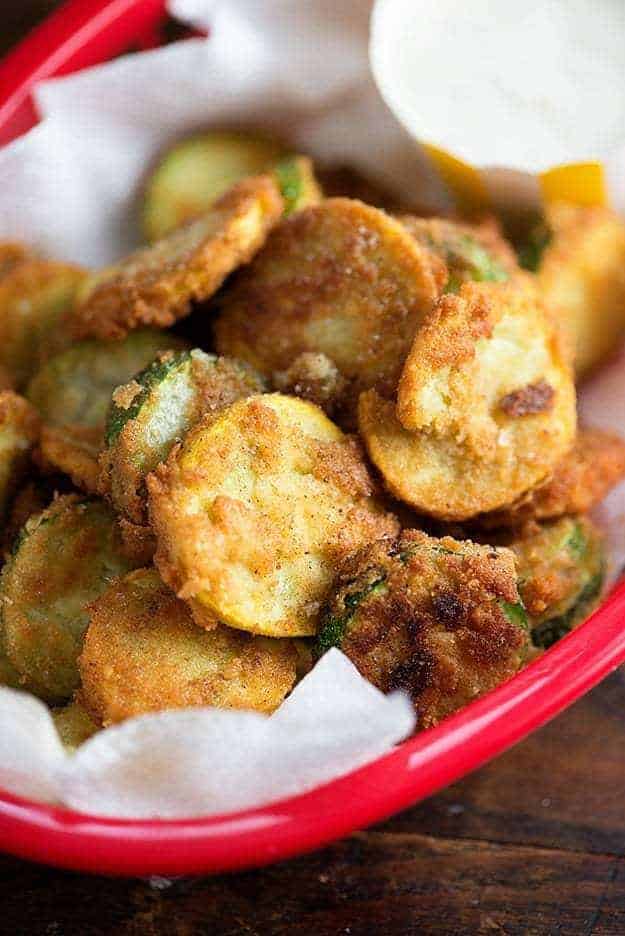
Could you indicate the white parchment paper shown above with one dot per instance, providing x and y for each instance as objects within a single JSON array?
[{"x": 70, "y": 187}]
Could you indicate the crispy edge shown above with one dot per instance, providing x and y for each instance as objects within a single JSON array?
[
  {"x": 142, "y": 291},
  {"x": 72, "y": 450}
]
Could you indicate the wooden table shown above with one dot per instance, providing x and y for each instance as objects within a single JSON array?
[{"x": 532, "y": 844}]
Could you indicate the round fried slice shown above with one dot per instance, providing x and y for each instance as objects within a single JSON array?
[
  {"x": 339, "y": 278},
  {"x": 73, "y": 392},
  {"x": 19, "y": 431},
  {"x": 254, "y": 510},
  {"x": 468, "y": 253},
  {"x": 144, "y": 653},
  {"x": 195, "y": 171},
  {"x": 155, "y": 285},
  {"x": 64, "y": 558},
  {"x": 35, "y": 295},
  {"x": 74, "y": 725},
  {"x": 11, "y": 253},
  {"x": 440, "y": 619},
  {"x": 594, "y": 465},
  {"x": 561, "y": 568},
  {"x": 580, "y": 263},
  {"x": 487, "y": 404},
  {"x": 155, "y": 410}
]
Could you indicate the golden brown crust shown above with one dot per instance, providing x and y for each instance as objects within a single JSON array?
[
  {"x": 11, "y": 253},
  {"x": 457, "y": 449},
  {"x": 594, "y": 465},
  {"x": 340, "y": 278},
  {"x": 432, "y": 620},
  {"x": 155, "y": 285},
  {"x": 255, "y": 509},
  {"x": 314, "y": 377},
  {"x": 582, "y": 276},
  {"x": 19, "y": 431},
  {"x": 143, "y": 653},
  {"x": 72, "y": 450}
]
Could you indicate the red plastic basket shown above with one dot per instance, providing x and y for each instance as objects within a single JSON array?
[{"x": 83, "y": 33}]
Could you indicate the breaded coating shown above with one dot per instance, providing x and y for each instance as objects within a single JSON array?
[
  {"x": 466, "y": 252},
  {"x": 487, "y": 404},
  {"x": 144, "y": 653},
  {"x": 73, "y": 392},
  {"x": 440, "y": 619},
  {"x": 581, "y": 274},
  {"x": 11, "y": 253},
  {"x": 313, "y": 376},
  {"x": 255, "y": 509},
  {"x": 155, "y": 285},
  {"x": 580, "y": 481},
  {"x": 35, "y": 297},
  {"x": 19, "y": 432},
  {"x": 74, "y": 725},
  {"x": 340, "y": 278},
  {"x": 155, "y": 410},
  {"x": 63, "y": 559},
  {"x": 561, "y": 567}
]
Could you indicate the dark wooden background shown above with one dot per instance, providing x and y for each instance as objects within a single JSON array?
[{"x": 531, "y": 844}]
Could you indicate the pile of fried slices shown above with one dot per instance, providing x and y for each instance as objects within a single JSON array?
[{"x": 295, "y": 421}]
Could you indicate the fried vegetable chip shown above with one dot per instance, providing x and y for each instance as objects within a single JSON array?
[
  {"x": 440, "y": 619},
  {"x": 579, "y": 256},
  {"x": 144, "y": 653},
  {"x": 594, "y": 465},
  {"x": 64, "y": 558},
  {"x": 341, "y": 279},
  {"x": 35, "y": 296},
  {"x": 487, "y": 404},
  {"x": 155, "y": 285},
  {"x": 19, "y": 431},
  {"x": 254, "y": 510},
  {"x": 73, "y": 392},
  {"x": 155, "y": 410}
]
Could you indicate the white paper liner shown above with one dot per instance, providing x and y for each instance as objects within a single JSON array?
[{"x": 70, "y": 188}]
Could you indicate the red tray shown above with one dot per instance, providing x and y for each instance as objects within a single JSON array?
[{"x": 79, "y": 34}]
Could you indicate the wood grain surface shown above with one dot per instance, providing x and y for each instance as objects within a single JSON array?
[{"x": 531, "y": 844}]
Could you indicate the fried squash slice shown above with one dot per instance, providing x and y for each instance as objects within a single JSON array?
[
  {"x": 155, "y": 285},
  {"x": 561, "y": 567},
  {"x": 63, "y": 559},
  {"x": 440, "y": 619},
  {"x": 144, "y": 653},
  {"x": 485, "y": 408},
  {"x": 580, "y": 481},
  {"x": 255, "y": 509},
  {"x": 468, "y": 253},
  {"x": 341, "y": 279},
  {"x": 36, "y": 297},
  {"x": 152, "y": 412},
  {"x": 72, "y": 392},
  {"x": 578, "y": 254},
  {"x": 19, "y": 432}
]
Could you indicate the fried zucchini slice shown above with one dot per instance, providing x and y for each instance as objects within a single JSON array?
[
  {"x": 73, "y": 392},
  {"x": 155, "y": 285},
  {"x": 440, "y": 619},
  {"x": 74, "y": 725},
  {"x": 580, "y": 481},
  {"x": 579, "y": 257},
  {"x": 19, "y": 431},
  {"x": 469, "y": 253},
  {"x": 254, "y": 510},
  {"x": 561, "y": 567},
  {"x": 35, "y": 295},
  {"x": 64, "y": 558},
  {"x": 298, "y": 185},
  {"x": 11, "y": 254},
  {"x": 196, "y": 171},
  {"x": 341, "y": 279},
  {"x": 487, "y": 404},
  {"x": 155, "y": 410},
  {"x": 144, "y": 653}
]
